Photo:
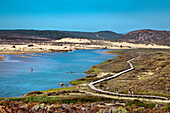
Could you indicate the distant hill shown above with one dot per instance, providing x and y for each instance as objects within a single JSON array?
[
  {"x": 108, "y": 35},
  {"x": 147, "y": 36}
]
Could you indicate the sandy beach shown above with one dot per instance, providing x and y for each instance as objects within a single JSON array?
[{"x": 71, "y": 44}]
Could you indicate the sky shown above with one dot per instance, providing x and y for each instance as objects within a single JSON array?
[{"x": 120, "y": 16}]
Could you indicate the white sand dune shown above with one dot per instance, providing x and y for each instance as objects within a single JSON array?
[{"x": 74, "y": 44}]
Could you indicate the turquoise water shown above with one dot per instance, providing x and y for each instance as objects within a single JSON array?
[{"x": 49, "y": 70}]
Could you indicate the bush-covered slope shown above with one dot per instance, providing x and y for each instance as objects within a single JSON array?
[
  {"x": 147, "y": 36},
  {"x": 61, "y": 34}
]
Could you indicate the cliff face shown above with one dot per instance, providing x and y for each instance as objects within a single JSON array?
[{"x": 147, "y": 36}]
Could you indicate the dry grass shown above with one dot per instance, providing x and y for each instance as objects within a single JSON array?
[{"x": 151, "y": 74}]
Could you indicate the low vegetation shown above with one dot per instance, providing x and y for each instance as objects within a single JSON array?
[
  {"x": 147, "y": 36},
  {"x": 44, "y": 36},
  {"x": 151, "y": 74},
  {"x": 78, "y": 104},
  {"x": 60, "y": 89},
  {"x": 86, "y": 79}
]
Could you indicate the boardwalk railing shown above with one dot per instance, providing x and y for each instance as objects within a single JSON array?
[{"x": 91, "y": 85}]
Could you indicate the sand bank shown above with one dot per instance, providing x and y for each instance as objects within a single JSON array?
[
  {"x": 2, "y": 58},
  {"x": 70, "y": 44}
]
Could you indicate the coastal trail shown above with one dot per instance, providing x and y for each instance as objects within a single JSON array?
[{"x": 123, "y": 96}]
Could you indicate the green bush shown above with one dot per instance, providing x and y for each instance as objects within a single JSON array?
[
  {"x": 167, "y": 106},
  {"x": 140, "y": 103}
]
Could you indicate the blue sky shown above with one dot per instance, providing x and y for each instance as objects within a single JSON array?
[{"x": 85, "y": 15}]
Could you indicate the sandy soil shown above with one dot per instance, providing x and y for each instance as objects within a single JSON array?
[
  {"x": 72, "y": 44},
  {"x": 24, "y": 56},
  {"x": 128, "y": 98},
  {"x": 1, "y": 58}
]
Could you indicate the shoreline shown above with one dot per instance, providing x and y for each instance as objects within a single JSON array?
[
  {"x": 71, "y": 44},
  {"x": 25, "y": 53},
  {"x": 90, "y": 74},
  {"x": 94, "y": 74},
  {"x": 2, "y": 58}
]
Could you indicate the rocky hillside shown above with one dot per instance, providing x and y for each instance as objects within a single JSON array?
[{"x": 147, "y": 36}]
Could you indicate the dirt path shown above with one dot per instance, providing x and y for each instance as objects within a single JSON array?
[{"x": 124, "y": 96}]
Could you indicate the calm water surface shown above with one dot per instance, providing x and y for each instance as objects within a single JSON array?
[{"x": 49, "y": 70}]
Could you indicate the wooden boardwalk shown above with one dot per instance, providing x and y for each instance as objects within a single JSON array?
[{"x": 91, "y": 85}]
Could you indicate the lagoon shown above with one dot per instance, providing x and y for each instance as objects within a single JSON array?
[{"x": 49, "y": 70}]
